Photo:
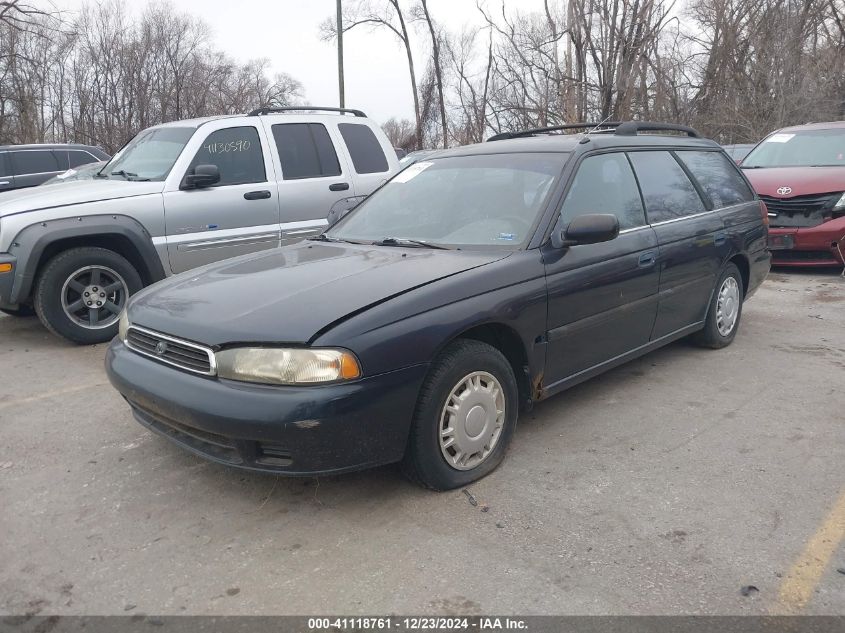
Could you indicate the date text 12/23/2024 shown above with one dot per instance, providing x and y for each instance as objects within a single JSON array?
[{"x": 421, "y": 623}]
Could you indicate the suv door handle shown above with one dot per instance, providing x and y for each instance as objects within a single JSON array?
[
  {"x": 257, "y": 195},
  {"x": 3, "y": 182},
  {"x": 647, "y": 259},
  {"x": 719, "y": 239},
  {"x": 339, "y": 186}
]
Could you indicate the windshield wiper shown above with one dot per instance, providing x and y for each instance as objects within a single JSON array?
[
  {"x": 322, "y": 237},
  {"x": 128, "y": 175},
  {"x": 395, "y": 241}
]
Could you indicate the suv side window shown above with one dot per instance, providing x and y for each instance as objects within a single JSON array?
[
  {"x": 33, "y": 162},
  {"x": 718, "y": 176},
  {"x": 668, "y": 193},
  {"x": 605, "y": 184},
  {"x": 364, "y": 148},
  {"x": 4, "y": 166},
  {"x": 237, "y": 153},
  {"x": 305, "y": 151},
  {"x": 78, "y": 157}
]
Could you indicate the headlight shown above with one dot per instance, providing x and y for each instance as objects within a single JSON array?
[
  {"x": 287, "y": 366},
  {"x": 841, "y": 203},
  {"x": 123, "y": 325}
]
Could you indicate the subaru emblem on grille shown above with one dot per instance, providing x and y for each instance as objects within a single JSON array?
[
  {"x": 784, "y": 191},
  {"x": 161, "y": 348}
]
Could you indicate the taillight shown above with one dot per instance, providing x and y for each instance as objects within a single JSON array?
[{"x": 764, "y": 211}]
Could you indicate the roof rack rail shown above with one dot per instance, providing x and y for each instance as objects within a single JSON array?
[
  {"x": 553, "y": 128},
  {"x": 621, "y": 128},
  {"x": 270, "y": 110},
  {"x": 630, "y": 128}
]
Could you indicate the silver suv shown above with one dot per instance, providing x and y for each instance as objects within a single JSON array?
[{"x": 178, "y": 196}]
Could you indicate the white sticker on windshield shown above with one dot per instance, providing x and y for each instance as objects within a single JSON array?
[
  {"x": 412, "y": 171},
  {"x": 779, "y": 138}
]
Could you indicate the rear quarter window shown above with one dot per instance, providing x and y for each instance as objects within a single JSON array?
[
  {"x": 718, "y": 177},
  {"x": 364, "y": 148}
]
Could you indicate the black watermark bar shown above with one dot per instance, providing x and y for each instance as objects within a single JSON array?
[{"x": 432, "y": 624}]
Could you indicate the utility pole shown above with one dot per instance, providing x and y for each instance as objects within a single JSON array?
[{"x": 340, "y": 89}]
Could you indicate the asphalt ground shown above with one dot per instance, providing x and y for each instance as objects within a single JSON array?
[{"x": 663, "y": 487}]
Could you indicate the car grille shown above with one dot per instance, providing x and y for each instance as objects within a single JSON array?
[
  {"x": 799, "y": 211},
  {"x": 173, "y": 351}
]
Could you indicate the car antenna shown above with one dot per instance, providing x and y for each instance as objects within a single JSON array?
[{"x": 586, "y": 138}]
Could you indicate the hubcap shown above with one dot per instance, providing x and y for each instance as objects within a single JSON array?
[
  {"x": 727, "y": 306},
  {"x": 93, "y": 297},
  {"x": 471, "y": 420}
]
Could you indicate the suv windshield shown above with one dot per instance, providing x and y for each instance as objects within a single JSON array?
[
  {"x": 150, "y": 155},
  {"x": 488, "y": 200},
  {"x": 804, "y": 148}
]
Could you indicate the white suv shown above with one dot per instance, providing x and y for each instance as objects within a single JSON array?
[{"x": 177, "y": 196}]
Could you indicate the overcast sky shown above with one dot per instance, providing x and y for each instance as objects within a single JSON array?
[{"x": 287, "y": 33}]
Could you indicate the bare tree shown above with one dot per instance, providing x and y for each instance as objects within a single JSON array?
[{"x": 385, "y": 14}]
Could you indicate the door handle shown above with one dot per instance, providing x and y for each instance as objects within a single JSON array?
[
  {"x": 257, "y": 195},
  {"x": 339, "y": 186},
  {"x": 647, "y": 259},
  {"x": 720, "y": 239},
  {"x": 3, "y": 182}
]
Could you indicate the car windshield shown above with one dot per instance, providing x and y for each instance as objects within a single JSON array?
[
  {"x": 488, "y": 200},
  {"x": 150, "y": 155},
  {"x": 804, "y": 148}
]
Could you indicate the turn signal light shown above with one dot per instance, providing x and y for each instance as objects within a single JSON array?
[
  {"x": 349, "y": 368},
  {"x": 765, "y": 212},
  {"x": 6, "y": 268}
]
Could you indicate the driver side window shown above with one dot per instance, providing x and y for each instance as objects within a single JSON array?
[
  {"x": 237, "y": 153},
  {"x": 605, "y": 184}
]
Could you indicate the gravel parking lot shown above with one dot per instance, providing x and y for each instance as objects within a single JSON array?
[{"x": 663, "y": 487}]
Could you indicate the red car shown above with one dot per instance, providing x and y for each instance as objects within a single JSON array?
[{"x": 799, "y": 172}]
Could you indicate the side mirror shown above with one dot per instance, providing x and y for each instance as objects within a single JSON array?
[
  {"x": 202, "y": 176},
  {"x": 591, "y": 228}
]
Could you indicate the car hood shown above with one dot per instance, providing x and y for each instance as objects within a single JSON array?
[
  {"x": 291, "y": 294},
  {"x": 73, "y": 193},
  {"x": 802, "y": 180}
]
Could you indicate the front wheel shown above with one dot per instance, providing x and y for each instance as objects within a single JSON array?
[
  {"x": 81, "y": 292},
  {"x": 465, "y": 416},
  {"x": 724, "y": 312}
]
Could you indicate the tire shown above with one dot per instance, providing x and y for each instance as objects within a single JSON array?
[
  {"x": 425, "y": 461},
  {"x": 715, "y": 334},
  {"x": 20, "y": 311},
  {"x": 64, "y": 280}
]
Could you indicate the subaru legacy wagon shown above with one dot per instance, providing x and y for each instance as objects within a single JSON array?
[{"x": 470, "y": 286}]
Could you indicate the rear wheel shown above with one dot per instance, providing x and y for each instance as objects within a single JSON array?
[
  {"x": 81, "y": 292},
  {"x": 465, "y": 416},
  {"x": 724, "y": 312}
]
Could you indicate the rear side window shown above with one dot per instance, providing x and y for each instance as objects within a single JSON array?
[
  {"x": 364, "y": 148},
  {"x": 4, "y": 168},
  {"x": 605, "y": 184},
  {"x": 237, "y": 153},
  {"x": 718, "y": 176},
  {"x": 33, "y": 162},
  {"x": 77, "y": 158},
  {"x": 667, "y": 192},
  {"x": 305, "y": 151}
]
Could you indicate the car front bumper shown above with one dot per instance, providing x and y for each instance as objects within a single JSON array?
[
  {"x": 821, "y": 245},
  {"x": 286, "y": 430},
  {"x": 7, "y": 280}
]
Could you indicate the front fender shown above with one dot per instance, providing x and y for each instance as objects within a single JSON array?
[{"x": 30, "y": 243}]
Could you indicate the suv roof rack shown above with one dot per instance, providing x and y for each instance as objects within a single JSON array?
[
  {"x": 620, "y": 128},
  {"x": 269, "y": 110}
]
